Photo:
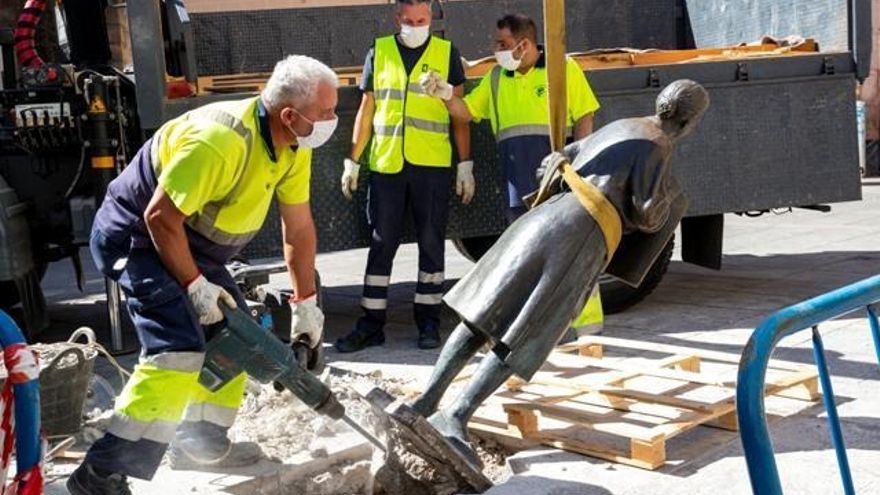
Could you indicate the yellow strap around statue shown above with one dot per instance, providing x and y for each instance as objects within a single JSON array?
[{"x": 602, "y": 211}]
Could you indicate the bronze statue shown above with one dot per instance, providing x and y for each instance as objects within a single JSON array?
[{"x": 613, "y": 209}]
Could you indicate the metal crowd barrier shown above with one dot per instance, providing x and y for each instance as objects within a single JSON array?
[{"x": 755, "y": 438}]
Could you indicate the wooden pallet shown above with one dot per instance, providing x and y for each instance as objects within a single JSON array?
[{"x": 626, "y": 409}]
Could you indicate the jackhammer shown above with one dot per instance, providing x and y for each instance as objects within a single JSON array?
[{"x": 245, "y": 347}]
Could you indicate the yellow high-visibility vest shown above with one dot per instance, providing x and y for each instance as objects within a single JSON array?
[{"x": 408, "y": 124}]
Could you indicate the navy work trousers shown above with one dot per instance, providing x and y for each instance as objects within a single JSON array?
[{"x": 423, "y": 193}]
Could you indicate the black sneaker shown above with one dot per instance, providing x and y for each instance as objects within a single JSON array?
[
  {"x": 85, "y": 481},
  {"x": 429, "y": 337},
  {"x": 359, "y": 339}
]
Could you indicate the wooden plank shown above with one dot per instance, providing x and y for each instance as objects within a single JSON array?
[
  {"x": 590, "y": 421},
  {"x": 672, "y": 349},
  {"x": 594, "y": 450},
  {"x": 653, "y": 398},
  {"x": 659, "y": 368},
  {"x": 650, "y": 453},
  {"x": 591, "y": 350}
]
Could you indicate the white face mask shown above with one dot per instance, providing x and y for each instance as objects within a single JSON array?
[
  {"x": 506, "y": 59},
  {"x": 322, "y": 131},
  {"x": 414, "y": 37}
]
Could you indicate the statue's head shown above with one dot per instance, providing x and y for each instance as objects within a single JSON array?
[{"x": 680, "y": 107}]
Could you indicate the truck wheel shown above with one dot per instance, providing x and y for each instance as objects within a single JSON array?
[
  {"x": 9, "y": 295},
  {"x": 618, "y": 296},
  {"x": 473, "y": 248}
]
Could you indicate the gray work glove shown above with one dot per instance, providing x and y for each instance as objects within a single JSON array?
[
  {"x": 307, "y": 320},
  {"x": 552, "y": 162},
  {"x": 350, "y": 177},
  {"x": 205, "y": 298}
]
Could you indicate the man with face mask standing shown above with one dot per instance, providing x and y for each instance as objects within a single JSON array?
[
  {"x": 513, "y": 96},
  {"x": 410, "y": 167},
  {"x": 191, "y": 198}
]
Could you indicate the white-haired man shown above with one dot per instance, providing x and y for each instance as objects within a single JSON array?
[{"x": 191, "y": 198}]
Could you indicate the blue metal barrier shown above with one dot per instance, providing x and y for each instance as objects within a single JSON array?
[{"x": 753, "y": 368}]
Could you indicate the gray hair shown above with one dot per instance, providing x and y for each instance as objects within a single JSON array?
[{"x": 295, "y": 82}]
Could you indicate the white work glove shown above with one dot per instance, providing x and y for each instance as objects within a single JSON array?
[
  {"x": 464, "y": 183},
  {"x": 434, "y": 85},
  {"x": 205, "y": 298},
  {"x": 307, "y": 319},
  {"x": 350, "y": 177}
]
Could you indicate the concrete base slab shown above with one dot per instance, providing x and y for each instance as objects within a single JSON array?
[{"x": 431, "y": 445}]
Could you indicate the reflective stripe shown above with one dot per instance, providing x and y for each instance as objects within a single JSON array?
[
  {"x": 427, "y": 125},
  {"x": 523, "y": 130},
  {"x": 388, "y": 94},
  {"x": 431, "y": 278},
  {"x": 176, "y": 361},
  {"x": 130, "y": 429},
  {"x": 377, "y": 280},
  {"x": 415, "y": 88},
  {"x": 517, "y": 130},
  {"x": 374, "y": 304},
  {"x": 204, "y": 222},
  {"x": 496, "y": 82},
  {"x": 212, "y": 413},
  {"x": 429, "y": 299},
  {"x": 388, "y": 130}
]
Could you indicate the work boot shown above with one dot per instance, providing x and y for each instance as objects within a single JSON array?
[
  {"x": 86, "y": 481},
  {"x": 429, "y": 337},
  {"x": 203, "y": 445},
  {"x": 359, "y": 339}
]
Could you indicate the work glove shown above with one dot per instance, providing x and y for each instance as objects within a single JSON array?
[
  {"x": 306, "y": 320},
  {"x": 350, "y": 177},
  {"x": 433, "y": 84},
  {"x": 464, "y": 183},
  {"x": 205, "y": 298},
  {"x": 551, "y": 163}
]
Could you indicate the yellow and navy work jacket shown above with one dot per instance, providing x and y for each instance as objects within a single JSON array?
[
  {"x": 409, "y": 125},
  {"x": 516, "y": 105},
  {"x": 219, "y": 167}
]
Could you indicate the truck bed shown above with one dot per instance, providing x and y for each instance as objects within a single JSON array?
[{"x": 781, "y": 132}]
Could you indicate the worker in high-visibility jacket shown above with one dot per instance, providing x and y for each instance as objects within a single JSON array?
[
  {"x": 513, "y": 97},
  {"x": 410, "y": 163},
  {"x": 191, "y": 198}
]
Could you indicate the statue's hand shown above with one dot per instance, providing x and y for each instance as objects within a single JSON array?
[{"x": 551, "y": 162}]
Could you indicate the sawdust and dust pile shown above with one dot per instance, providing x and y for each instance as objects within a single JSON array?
[{"x": 284, "y": 427}]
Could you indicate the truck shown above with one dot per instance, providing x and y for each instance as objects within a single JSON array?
[{"x": 780, "y": 134}]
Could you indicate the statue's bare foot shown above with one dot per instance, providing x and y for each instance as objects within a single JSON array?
[{"x": 455, "y": 433}]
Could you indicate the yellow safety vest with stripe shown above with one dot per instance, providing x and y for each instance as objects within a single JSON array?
[
  {"x": 233, "y": 220},
  {"x": 408, "y": 124}
]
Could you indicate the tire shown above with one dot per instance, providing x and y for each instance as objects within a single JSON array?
[
  {"x": 9, "y": 295},
  {"x": 616, "y": 296},
  {"x": 473, "y": 248}
]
